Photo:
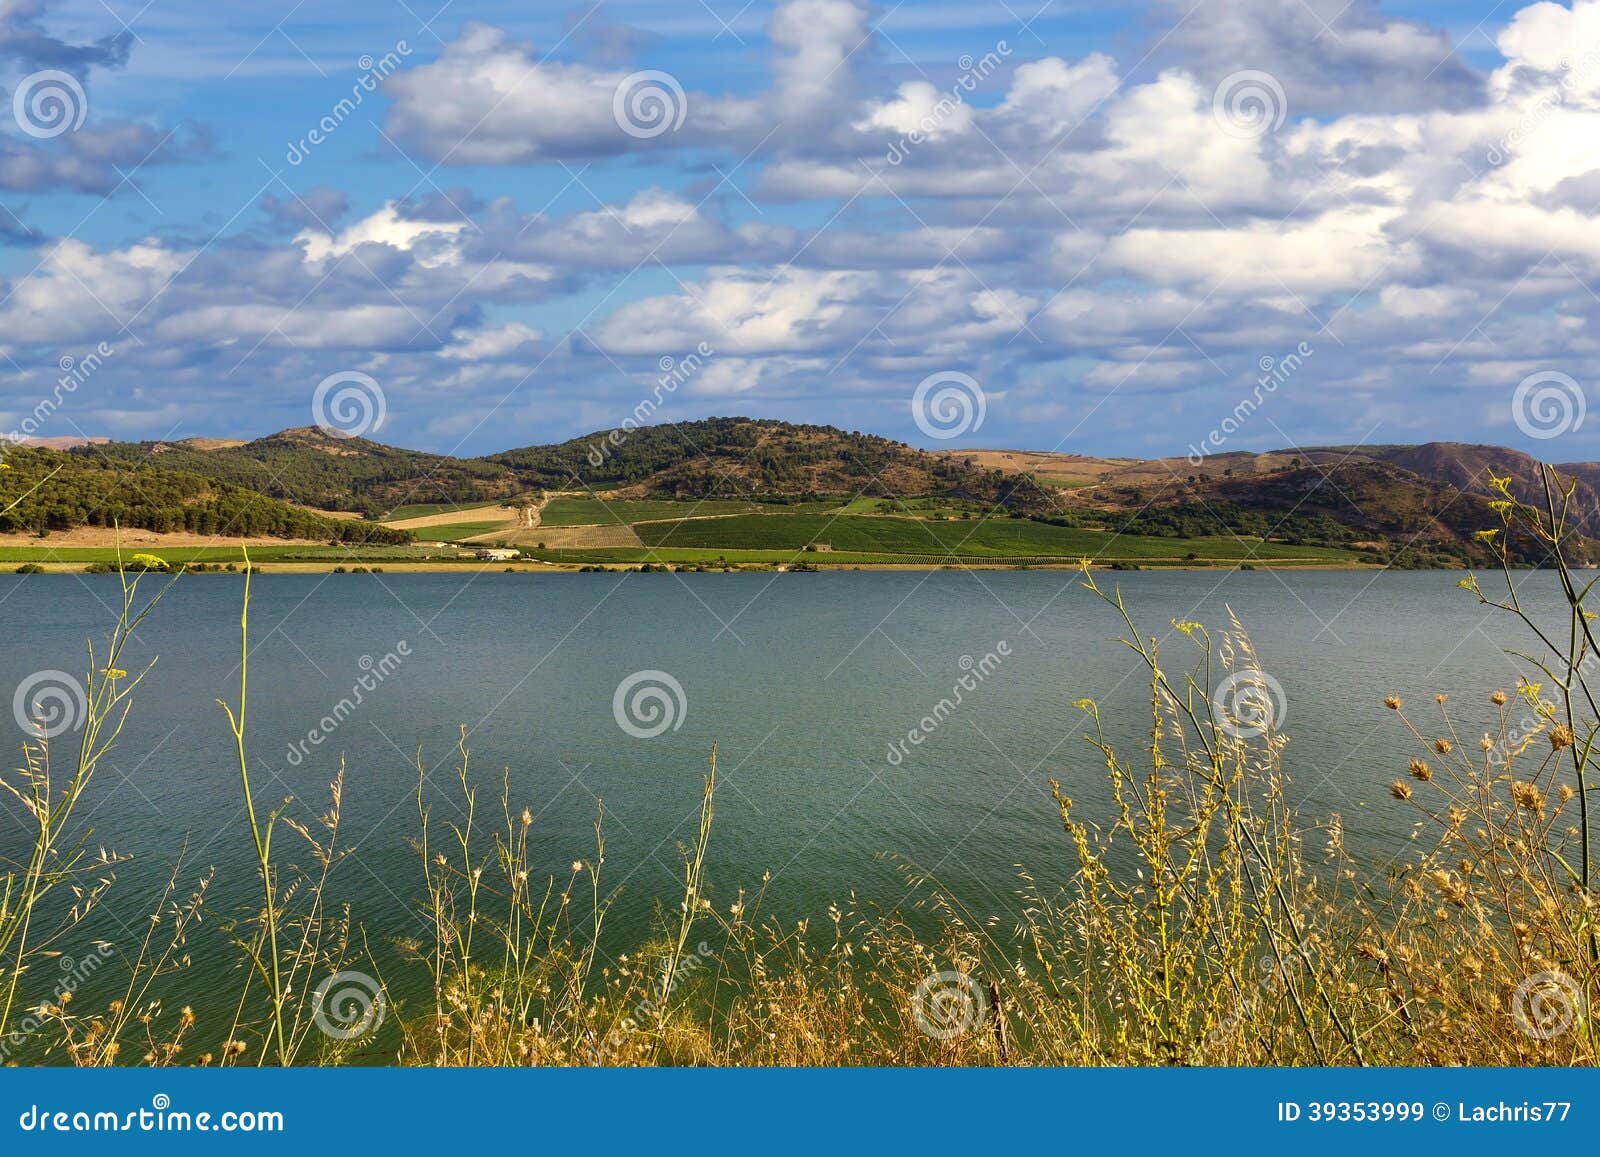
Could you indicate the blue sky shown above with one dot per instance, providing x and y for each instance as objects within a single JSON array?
[{"x": 1236, "y": 224}]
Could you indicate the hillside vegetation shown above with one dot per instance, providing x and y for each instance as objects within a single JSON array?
[
  {"x": 48, "y": 490},
  {"x": 308, "y": 466},
  {"x": 1395, "y": 505}
]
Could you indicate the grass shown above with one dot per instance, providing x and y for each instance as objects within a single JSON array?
[
  {"x": 1201, "y": 919},
  {"x": 450, "y": 532},
  {"x": 425, "y": 509},
  {"x": 976, "y": 538},
  {"x": 577, "y": 511}
]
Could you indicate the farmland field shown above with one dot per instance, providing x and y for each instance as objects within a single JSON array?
[
  {"x": 579, "y": 511},
  {"x": 967, "y": 538},
  {"x": 424, "y": 509}
]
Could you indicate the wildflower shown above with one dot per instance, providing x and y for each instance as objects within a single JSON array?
[
  {"x": 1527, "y": 795},
  {"x": 577, "y": 866},
  {"x": 186, "y": 1017},
  {"x": 1421, "y": 771},
  {"x": 1442, "y": 746},
  {"x": 1392, "y": 702},
  {"x": 1561, "y": 736},
  {"x": 233, "y": 1048},
  {"x": 113, "y": 672},
  {"x": 1498, "y": 698},
  {"x": 1439, "y": 699},
  {"x": 1486, "y": 744},
  {"x": 1400, "y": 789}
]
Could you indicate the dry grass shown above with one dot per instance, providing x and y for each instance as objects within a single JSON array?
[{"x": 1203, "y": 922}]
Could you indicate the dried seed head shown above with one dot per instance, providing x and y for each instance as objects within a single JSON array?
[
  {"x": 1442, "y": 746},
  {"x": 1392, "y": 702},
  {"x": 1400, "y": 789},
  {"x": 1527, "y": 795},
  {"x": 1498, "y": 698},
  {"x": 1420, "y": 770},
  {"x": 1561, "y": 736}
]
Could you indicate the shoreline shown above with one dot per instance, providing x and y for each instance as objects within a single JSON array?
[{"x": 389, "y": 567}]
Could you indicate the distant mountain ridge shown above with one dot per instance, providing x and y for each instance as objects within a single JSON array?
[{"x": 1418, "y": 502}]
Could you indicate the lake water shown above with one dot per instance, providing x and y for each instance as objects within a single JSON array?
[{"x": 803, "y": 681}]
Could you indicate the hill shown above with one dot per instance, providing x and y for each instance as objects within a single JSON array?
[
  {"x": 308, "y": 466},
  {"x": 1402, "y": 505},
  {"x": 45, "y": 490},
  {"x": 760, "y": 460}
]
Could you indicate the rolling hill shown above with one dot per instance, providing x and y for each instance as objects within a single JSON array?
[
  {"x": 1402, "y": 505},
  {"x": 43, "y": 491}
]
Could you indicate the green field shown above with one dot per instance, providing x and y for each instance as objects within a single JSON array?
[
  {"x": 780, "y": 535},
  {"x": 974, "y": 538},
  {"x": 606, "y": 512},
  {"x": 424, "y": 509},
  {"x": 451, "y": 531},
  {"x": 213, "y": 554}
]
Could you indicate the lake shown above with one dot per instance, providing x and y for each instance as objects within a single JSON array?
[{"x": 809, "y": 685}]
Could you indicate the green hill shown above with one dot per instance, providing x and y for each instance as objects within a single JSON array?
[
  {"x": 307, "y": 466},
  {"x": 51, "y": 490}
]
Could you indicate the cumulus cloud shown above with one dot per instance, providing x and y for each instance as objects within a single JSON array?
[
  {"x": 78, "y": 151},
  {"x": 1330, "y": 56},
  {"x": 1067, "y": 227}
]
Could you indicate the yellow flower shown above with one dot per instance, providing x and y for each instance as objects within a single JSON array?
[{"x": 113, "y": 672}]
